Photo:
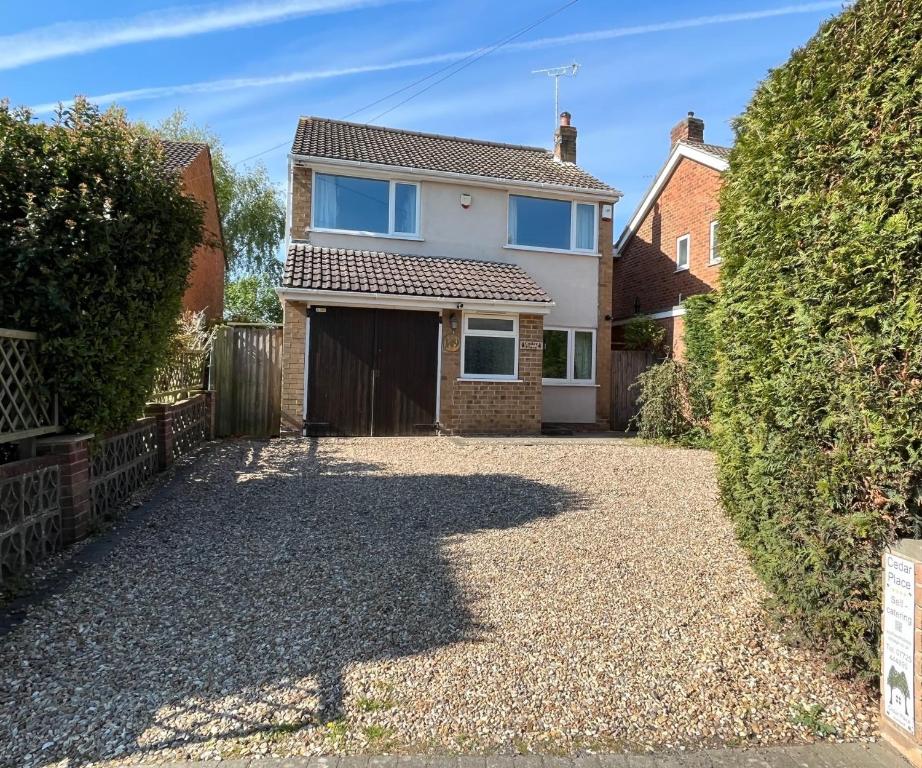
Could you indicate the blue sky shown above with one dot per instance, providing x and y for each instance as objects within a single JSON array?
[{"x": 249, "y": 69}]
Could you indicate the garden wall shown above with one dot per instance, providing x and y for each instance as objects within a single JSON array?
[{"x": 78, "y": 483}]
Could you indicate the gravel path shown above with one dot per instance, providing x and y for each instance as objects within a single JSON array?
[{"x": 361, "y": 596}]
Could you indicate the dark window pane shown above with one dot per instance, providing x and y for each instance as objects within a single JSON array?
[
  {"x": 555, "y": 355},
  {"x": 405, "y": 208},
  {"x": 582, "y": 355},
  {"x": 489, "y": 356},
  {"x": 539, "y": 223},
  {"x": 490, "y": 324},
  {"x": 346, "y": 202}
]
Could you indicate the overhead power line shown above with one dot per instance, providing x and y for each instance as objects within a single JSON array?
[
  {"x": 464, "y": 63},
  {"x": 450, "y": 70}
]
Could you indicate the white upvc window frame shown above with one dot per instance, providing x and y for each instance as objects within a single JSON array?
[
  {"x": 514, "y": 335},
  {"x": 391, "y": 207},
  {"x": 594, "y": 250},
  {"x": 713, "y": 253},
  {"x": 571, "y": 357},
  {"x": 678, "y": 240}
]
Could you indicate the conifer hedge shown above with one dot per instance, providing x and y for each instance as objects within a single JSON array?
[
  {"x": 819, "y": 388},
  {"x": 95, "y": 247}
]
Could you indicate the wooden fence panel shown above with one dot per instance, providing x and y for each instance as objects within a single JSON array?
[
  {"x": 626, "y": 366},
  {"x": 247, "y": 380}
]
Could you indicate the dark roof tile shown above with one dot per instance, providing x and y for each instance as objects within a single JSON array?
[
  {"x": 180, "y": 154},
  {"x": 317, "y": 267},
  {"x": 339, "y": 140},
  {"x": 712, "y": 149}
]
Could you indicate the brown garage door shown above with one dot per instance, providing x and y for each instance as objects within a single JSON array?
[{"x": 372, "y": 371}]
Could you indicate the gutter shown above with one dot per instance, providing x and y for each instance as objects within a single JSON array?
[
  {"x": 395, "y": 301},
  {"x": 606, "y": 195}
]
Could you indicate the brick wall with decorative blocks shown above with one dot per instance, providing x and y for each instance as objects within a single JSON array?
[
  {"x": 493, "y": 407},
  {"x": 301, "y": 181},
  {"x": 293, "y": 338},
  {"x": 72, "y": 454}
]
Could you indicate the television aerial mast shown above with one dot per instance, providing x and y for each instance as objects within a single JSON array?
[{"x": 569, "y": 70}]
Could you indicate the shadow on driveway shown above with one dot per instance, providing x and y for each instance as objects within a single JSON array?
[{"x": 255, "y": 581}]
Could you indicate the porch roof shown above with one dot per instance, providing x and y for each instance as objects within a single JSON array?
[{"x": 319, "y": 268}]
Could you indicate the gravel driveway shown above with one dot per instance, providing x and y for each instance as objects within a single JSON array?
[{"x": 298, "y": 597}]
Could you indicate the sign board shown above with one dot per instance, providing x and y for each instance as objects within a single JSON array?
[
  {"x": 899, "y": 632},
  {"x": 531, "y": 344}
]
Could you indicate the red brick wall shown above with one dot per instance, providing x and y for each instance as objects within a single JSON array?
[
  {"x": 646, "y": 268},
  {"x": 205, "y": 291}
]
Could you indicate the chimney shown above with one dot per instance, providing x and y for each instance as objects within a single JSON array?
[
  {"x": 565, "y": 140},
  {"x": 690, "y": 128}
]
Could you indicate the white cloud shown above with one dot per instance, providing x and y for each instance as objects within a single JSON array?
[
  {"x": 70, "y": 38},
  {"x": 215, "y": 86}
]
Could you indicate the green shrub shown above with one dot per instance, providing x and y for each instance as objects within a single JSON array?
[
  {"x": 818, "y": 410},
  {"x": 701, "y": 330},
  {"x": 95, "y": 243},
  {"x": 662, "y": 413},
  {"x": 643, "y": 332}
]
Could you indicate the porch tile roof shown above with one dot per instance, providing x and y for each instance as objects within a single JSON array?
[
  {"x": 340, "y": 140},
  {"x": 344, "y": 269}
]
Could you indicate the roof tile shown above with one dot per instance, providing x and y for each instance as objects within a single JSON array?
[
  {"x": 339, "y": 140},
  {"x": 317, "y": 267},
  {"x": 180, "y": 154}
]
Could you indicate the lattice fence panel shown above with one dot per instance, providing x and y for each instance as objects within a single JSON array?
[
  {"x": 190, "y": 425},
  {"x": 121, "y": 464},
  {"x": 30, "y": 519},
  {"x": 184, "y": 375},
  {"x": 27, "y": 408}
]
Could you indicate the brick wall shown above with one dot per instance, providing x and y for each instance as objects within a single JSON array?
[
  {"x": 603, "y": 339},
  {"x": 498, "y": 407},
  {"x": 205, "y": 291},
  {"x": 300, "y": 202},
  {"x": 293, "y": 338},
  {"x": 646, "y": 270}
]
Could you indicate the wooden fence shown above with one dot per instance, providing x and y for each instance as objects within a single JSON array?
[
  {"x": 626, "y": 366},
  {"x": 246, "y": 376},
  {"x": 27, "y": 407}
]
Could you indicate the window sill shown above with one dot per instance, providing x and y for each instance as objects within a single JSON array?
[
  {"x": 533, "y": 249},
  {"x": 681, "y": 269},
  {"x": 562, "y": 383},
  {"x": 494, "y": 380},
  {"x": 357, "y": 233},
  {"x": 714, "y": 263}
]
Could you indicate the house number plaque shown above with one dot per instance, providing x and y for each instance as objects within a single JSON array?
[
  {"x": 531, "y": 344},
  {"x": 451, "y": 342}
]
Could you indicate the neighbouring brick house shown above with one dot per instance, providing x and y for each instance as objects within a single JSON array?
[
  {"x": 205, "y": 292},
  {"x": 668, "y": 250},
  {"x": 435, "y": 282}
]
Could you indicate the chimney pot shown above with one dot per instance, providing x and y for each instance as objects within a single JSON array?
[
  {"x": 689, "y": 128},
  {"x": 565, "y": 140}
]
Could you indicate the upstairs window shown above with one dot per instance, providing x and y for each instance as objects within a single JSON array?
[
  {"x": 715, "y": 254},
  {"x": 561, "y": 225},
  {"x": 682, "y": 252},
  {"x": 368, "y": 206},
  {"x": 490, "y": 348},
  {"x": 569, "y": 356}
]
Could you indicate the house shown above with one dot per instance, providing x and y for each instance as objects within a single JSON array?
[
  {"x": 205, "y": 291},
  {"x": 669, "y": 249},
  {"x": 435, "y": 282}
]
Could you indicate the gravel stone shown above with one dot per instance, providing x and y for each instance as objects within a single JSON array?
[{"x": 416, "y": 596}]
